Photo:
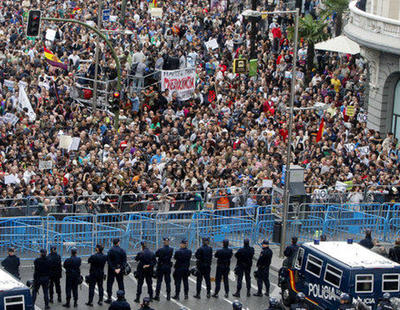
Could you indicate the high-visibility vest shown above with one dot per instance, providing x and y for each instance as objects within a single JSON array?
[{"x": 223, "y": 203}]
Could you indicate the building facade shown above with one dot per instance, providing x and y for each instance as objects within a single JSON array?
[{"x": 377, "y": 31}]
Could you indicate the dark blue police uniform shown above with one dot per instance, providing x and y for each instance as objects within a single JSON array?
[
  {"x": 96, "y": 275},
  {"x": 164, "y": 266},
  {"x": 145, "y": 257},
  {"x": 181, "y": 274},
  {"x": 116, "y": 259}
]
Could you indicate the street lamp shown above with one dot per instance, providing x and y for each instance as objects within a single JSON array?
[{"x": 255, "y": 14}]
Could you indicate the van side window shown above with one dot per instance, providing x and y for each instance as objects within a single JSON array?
[
  {"x": 364, "y": 283},
  {"x": 314, "y": 265},
  {"x": 390, "y": 282},
  {"x": 299, "y": 259},
  {"x": 333, "y": 275}
]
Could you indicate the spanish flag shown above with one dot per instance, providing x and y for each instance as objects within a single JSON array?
[
  {"x": 320, "y": 130},
  {"x": 53, "y": 60}
]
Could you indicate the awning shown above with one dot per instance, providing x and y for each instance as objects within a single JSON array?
[{"x": 340, "y": 44}]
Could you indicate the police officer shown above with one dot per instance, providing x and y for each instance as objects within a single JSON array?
[
  {"x": 41, "y": 276},
  {"x": 116, "y": 259},
  {"x": 367, "y": 241},
  {"x": 146, "y": 262},
  {"x": 223, "y": 257},
  {"x": 146, "y": 304},
  {"x": 244, "y": 257},
  {"x": 263, "y": 263},
  {"x": 55, "y": 273},
  {"x": 274, "y": 304},
  {"x": 291, "y": 249},
  {"x": 164, "y": 266},
  {"x": 96, "y": 274},
  {"x": 72, "y": 268},
  {"x": 301, "y": 302},
  {"x": 181, "y": 274},
  {"x": 345, "y": 302},
  {"x": 204, "y": 259},
  {"x": 120, "y": 303},
  {"x": 11, "y": 263},
  {"x": 236, "y": 305},
  {"x": 385, "y": 304}
]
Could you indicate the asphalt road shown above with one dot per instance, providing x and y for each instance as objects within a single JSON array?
[{"x": 221, "y": 303}]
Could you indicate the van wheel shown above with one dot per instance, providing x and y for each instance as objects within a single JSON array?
[{"x": 286, "y": 299}]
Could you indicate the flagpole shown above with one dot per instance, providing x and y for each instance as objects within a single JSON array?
[{"x": 96, "y": 57}]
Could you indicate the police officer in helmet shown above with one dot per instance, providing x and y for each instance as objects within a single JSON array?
[
  {"x": 146, "y": 262},
  {"x": 146, "y": 304},
  {"x": 120, "y": 303},
  {"x": 96, "y": 274},
  {"x": 204, "y": 259},
  {"x": 181, "y": 274},
  {"x": 223, "y": 257},
  {"x": 274, "y": 304},
  {"x": 346, "y": 302},
  {"x": 116, "y": 259},
  {"x": 55, "y": 273},
  {"x": 237, "y": 305},
  {"x": 301, "y": 302},
  {"x": 41, "y": 277},
  {"x": 72, "y": 268},
  {"x": 244, "y": 257},
  {"x": 385, "y": 304},
  {"x": 163, "y": 270}
]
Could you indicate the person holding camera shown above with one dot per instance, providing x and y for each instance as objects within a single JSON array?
[
  {"x": 262, "y": 273},
  {"x": 72, "y": 268},
  {"x": 181, "y": 274},
  {"x": 146, "y": 262},
  {"x": 116, "y": 259},
  {"x": 96, "y": 274}
]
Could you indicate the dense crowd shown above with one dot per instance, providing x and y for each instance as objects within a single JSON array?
[{"x": 231, "y": 134}]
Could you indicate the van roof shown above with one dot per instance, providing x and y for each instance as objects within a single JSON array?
[
  {"x": 352, "y": 254},
  {"x": 8, "y": 282}
]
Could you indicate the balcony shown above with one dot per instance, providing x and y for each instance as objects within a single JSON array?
[{"x": 373, "y": 31}]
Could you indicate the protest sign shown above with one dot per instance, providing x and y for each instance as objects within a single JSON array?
[
  {"x": 211, "y": 44},
  {"x": 45, "y": 164},
  {"x": 65, "y": 142},
  {"x": 182, "y": 82},
  {"x": 74, "y": 146}
]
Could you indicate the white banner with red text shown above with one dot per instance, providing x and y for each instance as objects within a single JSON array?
[{"x": 182, "y": 82}]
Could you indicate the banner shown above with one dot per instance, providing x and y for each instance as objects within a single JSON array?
[
  {"x": 182, "y": 82},
  {"x": 23, "y": 102}
]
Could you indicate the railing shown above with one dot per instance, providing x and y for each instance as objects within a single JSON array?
[
  {"x": 309, "y": 221},
  {"x": 373, "y": 23}
]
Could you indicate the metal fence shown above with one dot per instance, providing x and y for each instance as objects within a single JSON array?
[{"x": 309, "y": 221}]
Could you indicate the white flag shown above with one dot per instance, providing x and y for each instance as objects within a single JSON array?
[{"x": 23, "y": 102}]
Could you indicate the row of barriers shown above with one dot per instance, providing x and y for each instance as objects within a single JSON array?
[{"x": 83, "y": 231}]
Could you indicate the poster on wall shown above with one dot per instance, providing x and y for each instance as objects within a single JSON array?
[{"x": 182, "y": 82}]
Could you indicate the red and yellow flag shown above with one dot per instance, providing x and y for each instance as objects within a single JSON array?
[{"x": 53, "y": 60}]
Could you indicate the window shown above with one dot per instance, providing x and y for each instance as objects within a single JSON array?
[
  {"x": 299, "y": 258},
  {"x": 364, "y": 283},
  {"x": 314, "y": 265},
  {"x": 390, "y": 282},
  {"x": 14, "y": 303},
  {"x": 333, "y": 275}
]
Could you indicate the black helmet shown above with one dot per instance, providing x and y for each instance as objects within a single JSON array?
[
  {"x": 146, "y": 301},
  {"x": 120, "y": 294},
  {"x": 345, "y": 297},
  {"x": 386, "y": 296},
  {"x": 273, "y": 302},
  {"x": 301, "y": 296},
  {"x": 237, "y": 305}
]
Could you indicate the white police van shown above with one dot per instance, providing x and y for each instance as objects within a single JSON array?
[
  {"x": 14, "y": 295},
  {"x": 325, "y": 270}
]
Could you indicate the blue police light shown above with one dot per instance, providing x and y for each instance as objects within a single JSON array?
[
  {"x": 349, "y": 241},
  {"x": 316, "y": 242}
]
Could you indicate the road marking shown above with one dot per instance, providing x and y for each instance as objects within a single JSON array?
[
  {"x": 173, "y": 300},
  {"x": 37, "y": 308}
]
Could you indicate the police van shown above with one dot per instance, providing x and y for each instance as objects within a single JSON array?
[
  {"x": 325, "y": 270},
  {"x": 14, "y": 295}
]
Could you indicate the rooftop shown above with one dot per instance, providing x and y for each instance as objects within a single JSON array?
[
  {"x": 8, "y": 282},
  {"x": 353, "y": 255}
]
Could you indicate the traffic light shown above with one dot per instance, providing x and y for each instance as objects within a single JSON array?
[
  {"x": 33, "y": 27},
  {"x": 115, "y": 101}
]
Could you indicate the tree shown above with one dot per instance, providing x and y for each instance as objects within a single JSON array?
[
  {"x": 311, "y": 31},
  {"x": 338, "y": 7}
]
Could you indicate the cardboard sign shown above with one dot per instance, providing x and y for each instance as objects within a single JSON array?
[
  {"x": 156, "y": 12},
  {"x": 50, "y": 34},
  {"x": 240, "y": 66},
  {"x": 45, "y": 164},
  {"x": 65, "y": 142},
  {"x": 212, "y": 44},
  {"x": 74, "y": 146},
  {"x": 364, "y": 150},
  {"x": 350, "y": 147},
  {"x": 350, "y": 111}
]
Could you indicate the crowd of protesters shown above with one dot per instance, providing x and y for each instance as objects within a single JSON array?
[{"x": 231, "y": 134}]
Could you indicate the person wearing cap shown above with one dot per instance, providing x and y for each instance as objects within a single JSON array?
[
  {"x": 55, "y": 273},
  {"x": 41, "y": 277},
  {"x": 96, "y": 274},
  {"x": 291, "y": 249},
  {"x": 204, "y": 260},
  {"x": 120, "y": 303},
  {"x": 181, "y": 273},
  {"x": 223, "y": 257},
  {"x": 146, "y": 261},
  {"x": 116, "y": 260},
  {"x": 164, "y": 264},
  {"x": 244, "y": 262},
  {"x": 385, "y": 303},
  {"x": 11, "y": 263},
  {"x": 263, "y": 263},
  {"x": 72, "y": 268},
  {"x": 301, "y": 302},
  {"x": 146, "y": 304},
  {"x": 367, "y": 241}
]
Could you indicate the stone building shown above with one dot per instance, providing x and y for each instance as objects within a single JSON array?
[{"x": 377, "y": 31}]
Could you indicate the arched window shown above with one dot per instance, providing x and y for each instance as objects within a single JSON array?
[{"x": 396, "y": 111}]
